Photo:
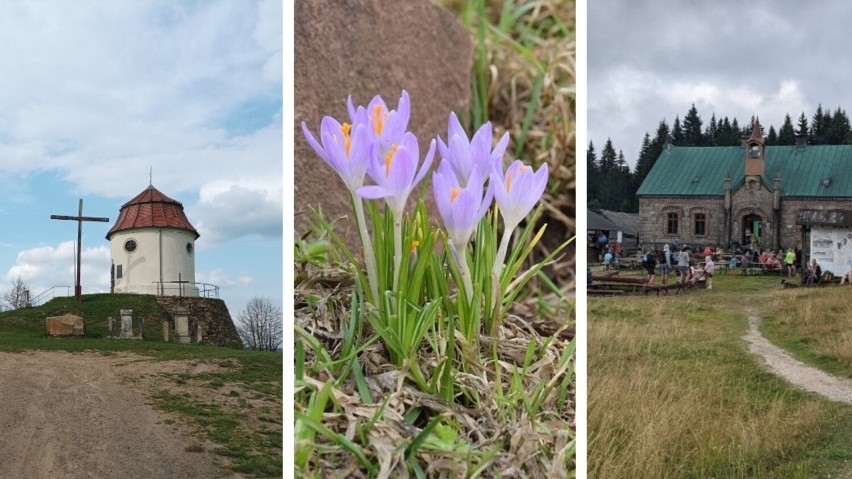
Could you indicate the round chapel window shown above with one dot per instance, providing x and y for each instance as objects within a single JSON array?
[
  {"x": 130, "y": 246},
  {"x": 189, "y": 248}
]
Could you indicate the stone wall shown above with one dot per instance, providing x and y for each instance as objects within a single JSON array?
[
  {"x": 653, "y": 212},
  {"x": 218, "y": 328},
  {"x": 758, "y": 201}
]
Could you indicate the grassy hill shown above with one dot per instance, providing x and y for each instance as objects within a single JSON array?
[{"x": 238, "y": 407}]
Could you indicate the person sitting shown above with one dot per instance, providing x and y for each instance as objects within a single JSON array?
[
  {"x": 814, "y": 273},
  {"x": 696, "y": 274},
  {"x": 846, "y": 278}
]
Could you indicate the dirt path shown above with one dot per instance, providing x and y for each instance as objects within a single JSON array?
[
  {"x": 793, "y": 370},
  {"x": 70, "y": 416}
]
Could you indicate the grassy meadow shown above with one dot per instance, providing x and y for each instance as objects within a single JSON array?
[
  {"x": 674, "y": 392},
  {"x": 235, "y": 408}
]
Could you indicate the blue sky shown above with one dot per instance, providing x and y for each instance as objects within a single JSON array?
[{"x": 94, "y": 94}]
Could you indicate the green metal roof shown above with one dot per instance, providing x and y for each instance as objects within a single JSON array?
[{"x": 701, "y": 171}]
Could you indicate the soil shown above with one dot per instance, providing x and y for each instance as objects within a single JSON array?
[
  {"x": 86, "y": 415},
  {"x": 793, "y": 370}
]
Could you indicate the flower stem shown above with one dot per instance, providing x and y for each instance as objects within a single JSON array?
[
  {"x": 501, "y": 251},
  {"x": 465, "y": 274},
  {"x": 369, "y": 255},
  {"x": 397, "y": 248}
]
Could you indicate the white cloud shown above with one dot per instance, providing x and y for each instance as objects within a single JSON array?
[
  {"x": 44, "y": 267},
  {"x": 104, "y": 91},
  {"x": 227, "y": 211},
  {"x": 220, "y": 278}
]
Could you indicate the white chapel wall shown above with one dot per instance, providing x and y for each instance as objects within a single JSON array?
[{"x": 141, "y": 268}]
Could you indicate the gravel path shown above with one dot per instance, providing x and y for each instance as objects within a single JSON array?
[
  {"x": 71, "y": 416},
  {"x": 795, "y": 371}
]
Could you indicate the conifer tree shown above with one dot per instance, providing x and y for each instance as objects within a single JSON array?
[
  {"x": 802, "y": 126},
  {"x": 786, "y": 135},
  {"x": 692, "y": 128},
  {"x": 677, "y": 132}
]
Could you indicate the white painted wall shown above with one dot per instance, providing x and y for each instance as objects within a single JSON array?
[{"x": 160, "y": 255}]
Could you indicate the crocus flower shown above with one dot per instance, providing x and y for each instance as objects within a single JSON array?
[
  {"x": 396, "y": 173},
  {"x": 347, "y": 149},
  {"x": 387, "y": 126},
  {"x": 517, "y": 191},
  {"x": 461, "y": 207},
  {"x": 465, "y": 155}
]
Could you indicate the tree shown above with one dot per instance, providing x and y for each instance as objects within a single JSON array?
[
  {"x": 786, "y": 135},
  {"x": 772, "y": 137},
  {"x": 692, "y": 135},
  {"x": 16, "y": 297},
  {"x": 677, "y": 132},
  {"x": 802, "y": 126},
  {"x": 260, "y": 325}
]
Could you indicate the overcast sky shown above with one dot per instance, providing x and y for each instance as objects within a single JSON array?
[
  {"x": 96, "y": 94},
  {"x": 651, "y": 60}
]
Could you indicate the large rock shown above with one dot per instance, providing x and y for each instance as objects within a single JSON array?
[
  {"x": 66, "y": 325},
  {"x": 365, "y": 48}
]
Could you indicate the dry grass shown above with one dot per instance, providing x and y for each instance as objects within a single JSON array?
[
  {"x": 500, "y": 436},
  {"x": 816, "y": 324},
  {"x": 673, "y": 392}
]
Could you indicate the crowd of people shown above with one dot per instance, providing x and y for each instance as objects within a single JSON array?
[
  {"x": 691, "y": 267},
  {"x": 679, "y": 259}
]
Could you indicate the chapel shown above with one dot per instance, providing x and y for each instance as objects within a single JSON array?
[{"x": 152, "y": 247}]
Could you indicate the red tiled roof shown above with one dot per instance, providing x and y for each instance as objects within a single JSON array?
[{"x": 151, "y": 208}]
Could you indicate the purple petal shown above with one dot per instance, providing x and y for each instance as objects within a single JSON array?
[
  {"x": 499, "y": 150},
  {"x": 454, "y": 127},
  {"x": 314, "y": 143},
  {"x": 373, "y": 192},
  {"x": 426, "y": 164},
  {"x": 350, "y": 107}
]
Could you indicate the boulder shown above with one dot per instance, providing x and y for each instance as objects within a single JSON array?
[
  {"x": 66, "y": 325},
  {"x": 365, "y": 48}
]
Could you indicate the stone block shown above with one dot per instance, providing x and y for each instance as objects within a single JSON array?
[
  {"x": 365, "y": 48},
  {"x": 65, "y": 325}
]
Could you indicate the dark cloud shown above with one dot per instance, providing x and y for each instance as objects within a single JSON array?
[{"x": 651, "y": 60}]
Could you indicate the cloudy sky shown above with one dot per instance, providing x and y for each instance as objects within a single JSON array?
[
  {"x": 651, "y": 60},
  {"x": 95, "y": 95}
]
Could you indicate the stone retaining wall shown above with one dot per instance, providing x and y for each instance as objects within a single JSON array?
[{"x": 218, "y": 328}]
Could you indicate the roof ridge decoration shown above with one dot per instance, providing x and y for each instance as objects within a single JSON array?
[{"x": 755, "y": 131}]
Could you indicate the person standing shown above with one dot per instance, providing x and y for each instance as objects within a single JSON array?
[
  {"x": 665, "y": 264},
  {"x": 651, "y": 265},
  {"x": 607, "y": 259},
  {"x": 709, "y": 269},
  {"x": 683, "y": 265},
  {"x": 790, "y": 260}
]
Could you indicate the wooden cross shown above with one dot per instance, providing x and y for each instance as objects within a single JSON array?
[{"x": 79, "y": 219}]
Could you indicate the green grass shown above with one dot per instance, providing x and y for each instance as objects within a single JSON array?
[
  {"x": 247, "y": 434},
  {"x": 674, "y": 392},
  {"x": 814, "y": 325}
]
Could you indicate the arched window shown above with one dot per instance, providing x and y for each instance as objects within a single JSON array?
[{"x": 700, "y": 224}]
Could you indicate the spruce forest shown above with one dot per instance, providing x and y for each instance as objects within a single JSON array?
[{"x": 612, "y": 185}]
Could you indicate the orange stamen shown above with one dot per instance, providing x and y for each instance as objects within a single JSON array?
[
  {"x": 389, "y": 159},
  {"x": 347, "y": 141},
  {"x": 454, "y": 193},
  {"x": 508, "y": 181},
  {"x": 378, "y": 116},
  {"x": 414, "y": 245}
]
